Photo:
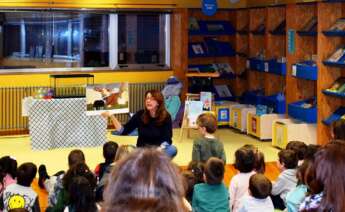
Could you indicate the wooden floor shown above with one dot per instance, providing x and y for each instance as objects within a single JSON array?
[{"x": 271, "y": 173}]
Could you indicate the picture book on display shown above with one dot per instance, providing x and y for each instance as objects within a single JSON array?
[
  {"x": 223, "y": 68},
  {"x": 206, "y": 99},
  {"x": 337, "y": 55},
  {"x": 223, "y": 91},
  {"x": 338, "y": 26},
  {"x": 338, "y": 86}
]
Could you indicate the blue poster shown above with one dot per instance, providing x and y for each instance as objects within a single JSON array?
[
  {"x": 291, "y": 41},
  {"x": 209, "y": 7}
]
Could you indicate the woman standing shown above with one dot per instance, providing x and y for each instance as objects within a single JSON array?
[{"x": 153, "y": 123}]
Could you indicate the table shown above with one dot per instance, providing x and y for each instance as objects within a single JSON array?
[{"x": 58, "y": 123}]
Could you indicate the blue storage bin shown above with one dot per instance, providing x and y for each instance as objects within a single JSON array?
[
  {"x": 305, "y": 70},
  {"x": 308, "y": 115},
  {"x": 276, "y": 67},
  {"x": 335, "y": 116},
  {"x": 334, "y": 33},
  {"x": 277, "y": 102},
  {"x": 252, "y": 97},
  {"x": 219, "y": 48},
  {"x": 257, "y": 64}
]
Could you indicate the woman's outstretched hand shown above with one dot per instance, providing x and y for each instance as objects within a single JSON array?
[{"x": 106, "y": 114}]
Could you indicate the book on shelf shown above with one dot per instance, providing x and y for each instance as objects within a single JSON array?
[
  {"x": 337, "y": 55},
  {"x": 193, "y": 24},
  {"x": 338, "y": 86},
  {"x": 212, "y": 27},
  {"x": 339, "y": 25},
  {"x": 197, "y": 49},
  {"x": 223, "y": 91},
  {"x": 223, "y": 68},
  {"x": 310, "y": 26}
]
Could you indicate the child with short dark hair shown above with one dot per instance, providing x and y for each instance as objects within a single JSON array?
[
  {"x": 299, "y": 148},
  {"x": 212, "y": 195},
  {"x": 8, "y": 172},
  {"x": 20, "y": 194},
  {"x": 245, "y": 163},
  {"x": 258, "y": 199},
  {"x": 260, "y": 165},
  {"x": 208, "y": 145},
  {"x": 197, "y": 168},
  {"x": 287, "y": 180},
  {"x": 109, "y": 152}
]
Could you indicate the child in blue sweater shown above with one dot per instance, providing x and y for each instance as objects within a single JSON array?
[{"x": 211, "y": 196}]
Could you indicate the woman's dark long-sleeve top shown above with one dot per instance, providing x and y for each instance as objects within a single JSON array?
[{"x": 149, "y": 134}]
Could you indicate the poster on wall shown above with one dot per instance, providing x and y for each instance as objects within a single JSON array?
[{"x": 107, "y": 97}]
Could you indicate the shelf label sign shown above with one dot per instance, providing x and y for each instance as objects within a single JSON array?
[
  {"x": 294, "y": 70},
  {"x": 291, "y": 41},
  {"x": 209, "y": 7}
]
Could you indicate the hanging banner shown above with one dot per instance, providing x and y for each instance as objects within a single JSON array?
[{"x": 209, "y": 7}]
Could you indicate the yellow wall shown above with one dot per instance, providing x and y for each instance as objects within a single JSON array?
[{"x": 43, "y": 79}]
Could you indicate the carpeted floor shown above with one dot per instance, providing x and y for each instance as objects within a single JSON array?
[{"x": 55, "y": 160}]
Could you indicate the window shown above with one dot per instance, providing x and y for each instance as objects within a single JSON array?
[
  {"x": 77, "y": 39},
  {"x": 142, "y": 40}
]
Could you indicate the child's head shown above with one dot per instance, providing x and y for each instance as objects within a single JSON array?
[
  {"x": 338, "y": 129},
  {"x": 287, "y": 159},
  {"x": 214, "y": 171},
  {"x": 207, "y": 123},
  {"x": 26, "y": 174},
  {"x": 79, "y": 169},
  {"x": 197, "y": 168},
  {"x": 75, "y": 156},
  {"x": 299, "y": 147},
  {"x": 259, "y": 186},
  {"x": 244, "y": 160},
  {"x": 8, "y": 165},
  {"x": 123, "y": 151},
  {"x": 260, "y": 165},
  {"x": 311, "y": 150},
  {"x": 81, "y": 194},
  {"x": 109, "y": 151}
]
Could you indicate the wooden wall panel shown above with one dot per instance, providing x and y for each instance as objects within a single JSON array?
[{"x": 328, "y": 13}]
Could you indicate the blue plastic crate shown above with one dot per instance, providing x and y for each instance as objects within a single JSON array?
[
  {"x": 296, "y": 111},
  {"x": 273, "y": 101},
  {"x": 219, "y": 48},
  {"x": 336, "y": 94},
  {"x": 257, "y": 64},
  {"x": 305, "y": 70},
  {"x": 335, "y": 116},
  {"x": 276, "y": 67},
  {"x": 252, "y": 97},
  {"x": 334, "y": 33}
]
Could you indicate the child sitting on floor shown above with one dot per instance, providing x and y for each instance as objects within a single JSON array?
[
  {"x": 207, "y": 146},
  {"x": 20, "y": 194},
  {"x": 245, "y": 164},
  {"x": 212, "y": 195},
  {"x": 287, "y": 180},
  {"x": 258, "y": 199}
]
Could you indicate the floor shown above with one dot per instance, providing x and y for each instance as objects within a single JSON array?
[{"x": 55, "y": 160}]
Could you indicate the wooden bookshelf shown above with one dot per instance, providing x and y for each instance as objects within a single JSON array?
[
  {"x": 257, "y": 16},
  {"x": 306, "y": 46},
  {"x": 328, "y": 13},
  {"x": 275, "y": 48}
]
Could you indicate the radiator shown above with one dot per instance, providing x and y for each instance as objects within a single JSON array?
[{"x": 12, "y": 121}]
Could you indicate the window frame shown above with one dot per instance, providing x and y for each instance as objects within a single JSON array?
[{"x": 112, "y": 44}]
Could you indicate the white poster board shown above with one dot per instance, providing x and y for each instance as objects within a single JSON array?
[
  {"x": 194, "y": 109},
  {"x": 107, "y": 97}
]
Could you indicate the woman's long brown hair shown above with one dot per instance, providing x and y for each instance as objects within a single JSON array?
[
  {"x": 329, "y": 170},
  {"x": 161, "y": 113}
]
